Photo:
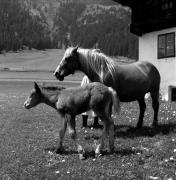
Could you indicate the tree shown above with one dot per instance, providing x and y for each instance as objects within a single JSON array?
[{"x": 65, "y": 21}]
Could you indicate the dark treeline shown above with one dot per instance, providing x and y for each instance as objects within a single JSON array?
[
  {"x": 23, "y": 24},
  {"x": 19, "y": 27}
]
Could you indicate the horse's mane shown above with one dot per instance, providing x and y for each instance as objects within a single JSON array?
[
  {"x": 53, "y": 88},
  {"x": 97, "y": 61}
]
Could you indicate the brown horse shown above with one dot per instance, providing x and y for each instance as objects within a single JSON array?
[
  {"x": 131, "y": 81},
  {"x": 73, "y": 101}
]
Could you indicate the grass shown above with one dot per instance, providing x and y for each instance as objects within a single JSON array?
[
  {"x": 32, "y": 65},
  {"x": 31, "y": 60},
  {"x": 27, "y": 140}
]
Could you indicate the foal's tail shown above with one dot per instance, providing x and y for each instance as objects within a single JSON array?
[{"x": 116, "y": 100}]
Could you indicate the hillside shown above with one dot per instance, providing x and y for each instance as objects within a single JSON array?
[
  {"x": 49, "y": 8},
  {"x": 48, "y": 24},
  {"x": 102, "y": 2}
]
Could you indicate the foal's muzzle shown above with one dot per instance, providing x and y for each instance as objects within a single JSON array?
[
  {"x": 58, "y": 76},
  {"x": 27, "y": 106}
]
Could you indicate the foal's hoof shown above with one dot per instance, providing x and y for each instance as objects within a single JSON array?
[
  {"x": 82, "y": 156},
  {"x": 98, "y": 155},
  {"x": 84, "y": 127}
]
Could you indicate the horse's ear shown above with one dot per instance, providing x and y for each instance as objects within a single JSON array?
[
  {"x": 75, "y": 49},
  {"x": 37, "y": 88}
]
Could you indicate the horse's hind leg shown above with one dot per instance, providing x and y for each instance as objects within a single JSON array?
[
  {"x": 142, "y": 107},
  {"x": 155, "y": 105}
]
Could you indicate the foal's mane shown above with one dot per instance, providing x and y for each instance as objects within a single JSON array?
[
  {"x": 52, "y": 88},
  {"x": 97, "y": 61}
]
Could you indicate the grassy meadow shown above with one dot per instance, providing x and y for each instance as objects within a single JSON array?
[{"x": 28, "y": 137}]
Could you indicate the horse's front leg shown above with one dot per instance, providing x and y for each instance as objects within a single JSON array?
[
  {"x": 142, "y": 107},
  {"x": 72, "y": 132},
  {"x": 62, "y": 131}
]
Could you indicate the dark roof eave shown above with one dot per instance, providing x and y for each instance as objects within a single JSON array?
[{"x": 124, "y": 2}]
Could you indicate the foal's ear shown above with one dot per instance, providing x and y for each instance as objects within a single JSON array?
[
  {"x": 75, "y": 49},
  {"x": 37, "y": 88}
]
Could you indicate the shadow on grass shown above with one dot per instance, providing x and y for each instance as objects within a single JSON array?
[
  {"x": 65, "y": 151},
  {"x": 91, "y": 153},
  {"x": 132, "y": 132},
  {"x": 126, "y": 131},
  {"x": 122, "y": 152},
  {"x": 99, "y": 126}
]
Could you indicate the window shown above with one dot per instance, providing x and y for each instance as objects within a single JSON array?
[
  {"x": 166, "y": 45},
  {"x": 168, "y": 7},
  {"x": 167, "y": 4}
]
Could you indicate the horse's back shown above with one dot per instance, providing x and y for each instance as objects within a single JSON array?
[
  {"x": 133, "y": 81},
  {"x": 153, "y": 73}
]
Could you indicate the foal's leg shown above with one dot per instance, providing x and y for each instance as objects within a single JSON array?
[
  {"x": 72, "y": 132},
  {"x": 155, "y": 105},
  {"x": 104, "y": 115},
  {"x": 110, "y": 123},
  {"x": 100, "y": 146},
  {"x": 61, "y": 135},
  {"x": 142, "y": 107},
  {"x": 111, "y": 134},
  {"x": 108, "y": 130}
]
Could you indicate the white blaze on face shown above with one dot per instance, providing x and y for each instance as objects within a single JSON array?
[{"x": 66, "y": 54}]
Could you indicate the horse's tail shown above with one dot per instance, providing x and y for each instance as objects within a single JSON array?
[{"x": 116, "y": 100}]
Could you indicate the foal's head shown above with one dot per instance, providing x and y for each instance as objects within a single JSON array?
[
  {"x": 68, "y": 64},
  {"x": 34, "y": 98}
]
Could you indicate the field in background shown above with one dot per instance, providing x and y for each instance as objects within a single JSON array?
[
  {"x": 35, "y": 65},
  {"x": 32, "y": 65},
  {"x": 31, "y": 60}
]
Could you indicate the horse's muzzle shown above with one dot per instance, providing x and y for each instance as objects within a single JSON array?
[{"x": 58, "y": 76}]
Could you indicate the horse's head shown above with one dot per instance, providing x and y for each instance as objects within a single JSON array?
[
  {"x": 34, "y": 98},
  {"x": 68, "y": 64}
]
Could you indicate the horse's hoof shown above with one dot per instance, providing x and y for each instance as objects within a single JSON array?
[
  {"x": 155, "y": 125},
  {"x": 59, "y": 150},
  {"x": 96, "y": 126},
  {"x": 139, "y": 126},
  {"x": 112, "y": 150}
]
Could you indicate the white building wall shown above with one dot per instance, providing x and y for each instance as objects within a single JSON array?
[{"x": 166, "y": 66}]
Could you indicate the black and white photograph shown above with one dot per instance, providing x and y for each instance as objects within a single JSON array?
[{"x": 87, "y": 89}]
